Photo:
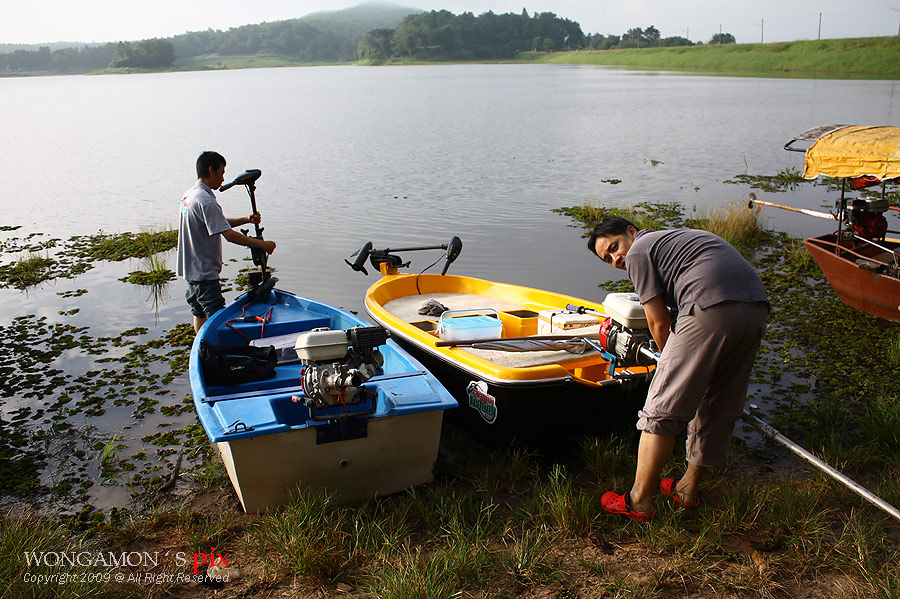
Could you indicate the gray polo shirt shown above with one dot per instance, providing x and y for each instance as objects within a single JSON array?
[
  {"x": 199, "y": 235},
  {"x": 690, "y": 268}
]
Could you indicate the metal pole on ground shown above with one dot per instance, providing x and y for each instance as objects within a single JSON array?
[{"x": 770, "y": 432}]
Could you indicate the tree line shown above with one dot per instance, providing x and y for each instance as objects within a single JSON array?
[
  {"x": 434, "y": 35},
  {"x": 441, "y": 35}
]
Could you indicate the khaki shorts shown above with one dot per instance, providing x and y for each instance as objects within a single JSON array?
[{"x": 702, "y": 378}]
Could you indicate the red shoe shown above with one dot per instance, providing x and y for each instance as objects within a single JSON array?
[
  {"x": 668, "y": 488},
  {"x": 614, "y": 503}
]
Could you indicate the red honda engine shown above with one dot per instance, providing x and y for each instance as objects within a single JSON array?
[{"x": 866, "y": 216}]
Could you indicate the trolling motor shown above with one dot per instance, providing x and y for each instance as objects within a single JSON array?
[
  {"x": 624, "y": 335},
  {"x": 336, "y": 364},
  {"x": 386, "y": 259},
  {"x": 261, "y": 282}
]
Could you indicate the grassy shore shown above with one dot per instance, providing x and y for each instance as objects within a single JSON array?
[{"x": 864, "y": 57}]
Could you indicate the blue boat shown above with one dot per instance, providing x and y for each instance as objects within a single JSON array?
[{"x": 330, "y": 403}]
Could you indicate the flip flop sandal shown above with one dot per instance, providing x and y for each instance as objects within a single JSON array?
[
  {"x": 668, "y": 488},
  {"x": 614, "y": 503}
]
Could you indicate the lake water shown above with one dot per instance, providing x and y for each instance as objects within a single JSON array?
[{"x": 400, "y": 156}]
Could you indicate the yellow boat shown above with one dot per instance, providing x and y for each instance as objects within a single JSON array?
[{"x": 521, "y": 365}]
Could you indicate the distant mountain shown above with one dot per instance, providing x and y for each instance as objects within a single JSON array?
[
  {"x": 366, "y": 16},
  {"x": 331, "y": 36}
]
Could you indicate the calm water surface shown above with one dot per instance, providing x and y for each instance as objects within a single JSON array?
[{"x": 396, "y": 155}]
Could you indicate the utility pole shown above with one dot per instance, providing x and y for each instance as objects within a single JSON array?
[
  {"x": 762, "y": 28},
  {"x": 898, "y": 27},
  {"x": 820, "y": 27}
]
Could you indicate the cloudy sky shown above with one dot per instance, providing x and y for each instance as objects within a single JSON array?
[{"x": 767, "y": 20}]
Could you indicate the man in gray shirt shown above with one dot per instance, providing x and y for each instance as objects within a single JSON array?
[
  {"x": 201, "y": 228},
  {"x": 706, "y": 355}
]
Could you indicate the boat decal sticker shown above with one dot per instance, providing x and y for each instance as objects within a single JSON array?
[{"x": 481, "y": 401}]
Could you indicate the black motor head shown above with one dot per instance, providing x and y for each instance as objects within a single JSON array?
[
  {"x": 245, "y": 178},
  {"x": 453, "y": 250}
]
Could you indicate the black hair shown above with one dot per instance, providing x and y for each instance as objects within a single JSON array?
[
  {"x": 611, "y": 226},
  {"x": 208, "y": 160}
]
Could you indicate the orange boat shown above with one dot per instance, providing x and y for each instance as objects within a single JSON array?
[{"x": 860, "y": 262}]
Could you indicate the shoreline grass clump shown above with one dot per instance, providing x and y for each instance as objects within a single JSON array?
[
  {"x": 740, "y": 226},
  {"x": 27, "y": 271}
]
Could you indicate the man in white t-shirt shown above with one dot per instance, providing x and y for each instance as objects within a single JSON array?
[{"x": 200, "y": 233}]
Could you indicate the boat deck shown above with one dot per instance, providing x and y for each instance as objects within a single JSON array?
[{"x": 407, "y": 309}]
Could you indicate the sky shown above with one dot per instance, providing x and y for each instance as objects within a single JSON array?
[{"x": 698, "y": 20}]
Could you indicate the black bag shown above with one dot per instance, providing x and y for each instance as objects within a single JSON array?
[{"x": 233, "y": 365}]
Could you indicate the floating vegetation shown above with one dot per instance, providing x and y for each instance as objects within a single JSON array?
[
  {"x": 611, "y": 181},
  {"x": 27, "y": 271},
  {"x": 75, "y": 256},
  {"x": 644, "y": 215},
  {"x": 786, "y": 180},
  {"x": 149, "y": 278},
  {"x": 43, "y": 400},
  {"x": 120, "y": 246}
]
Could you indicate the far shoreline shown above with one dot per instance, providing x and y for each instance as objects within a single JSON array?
[{"x": 850, "y": 58}]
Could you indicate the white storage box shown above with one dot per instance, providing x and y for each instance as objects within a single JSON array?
[
  {"x": 469, "y": 328},
  {"x": 626, "y": 309}
]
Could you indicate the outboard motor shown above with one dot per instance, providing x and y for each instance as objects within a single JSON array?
[
  {"x": 337, "y": 363},
  {"x": 625, "y": 333}
]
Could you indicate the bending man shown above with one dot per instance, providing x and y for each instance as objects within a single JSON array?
[{"x": 707, "y": 352}]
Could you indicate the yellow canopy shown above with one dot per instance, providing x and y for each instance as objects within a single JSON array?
[{"x": 853, "y": 151}]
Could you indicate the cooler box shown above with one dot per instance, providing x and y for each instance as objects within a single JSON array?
[{"x": 465, "y": 328}]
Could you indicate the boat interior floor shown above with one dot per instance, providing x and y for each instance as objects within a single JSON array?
[{"x": 407, "y": 309}]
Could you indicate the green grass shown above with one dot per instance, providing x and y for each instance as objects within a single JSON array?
[
  {"x": 33, "y": 535},
  {"x": 870, "y": 56},
  {"x": 735, "y": 223},
  {"x": 27, "y": 271}
]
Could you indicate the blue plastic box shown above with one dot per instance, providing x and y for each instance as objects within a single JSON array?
[{"x": 470, "y": 328}]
